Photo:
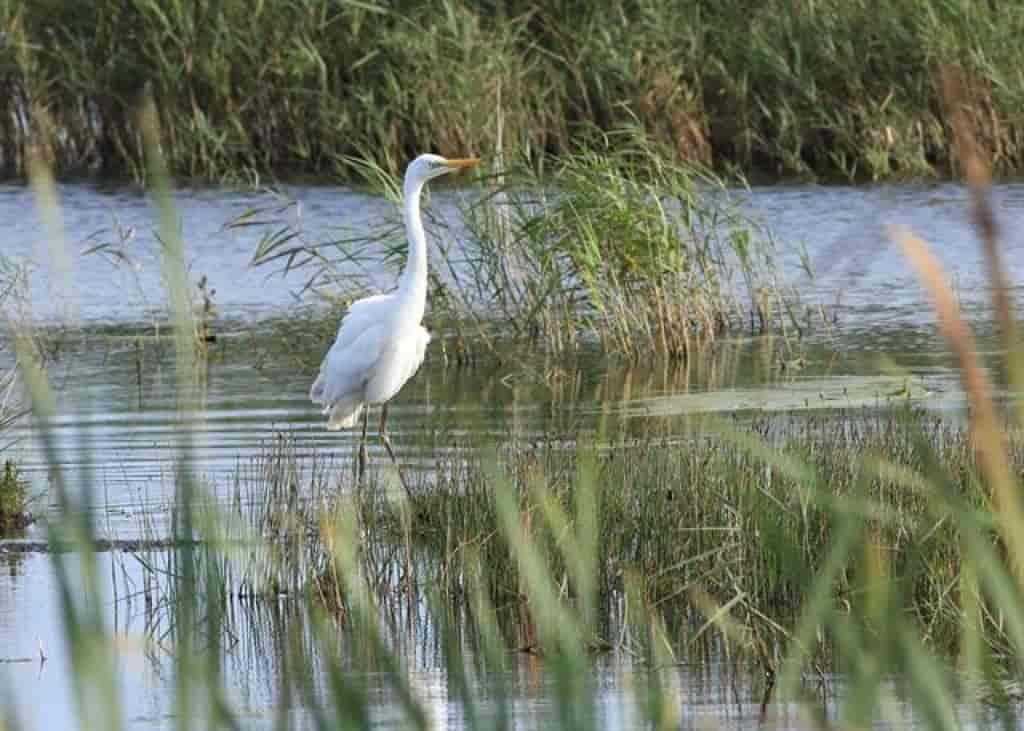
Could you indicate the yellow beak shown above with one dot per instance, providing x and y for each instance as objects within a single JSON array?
[{"x": 462, "y": 162}]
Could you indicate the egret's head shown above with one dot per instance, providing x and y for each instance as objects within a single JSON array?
[{"x": 427, "y": 167}]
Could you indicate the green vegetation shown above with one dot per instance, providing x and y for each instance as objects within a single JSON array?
[
  {"x": 864, "y": 542},
  {"x": 13, "y": 500},
  {"x": 614, "y": 245},
  {"x": 890, "y": 546},
  {"x": 680, "y": 524},
  {"x": 283, "y": 88}
]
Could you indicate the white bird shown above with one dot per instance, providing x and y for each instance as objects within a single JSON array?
[{"x": 381, "y": 341}]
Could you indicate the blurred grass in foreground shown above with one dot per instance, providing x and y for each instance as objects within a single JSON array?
[{"x": 896, "y": 526}]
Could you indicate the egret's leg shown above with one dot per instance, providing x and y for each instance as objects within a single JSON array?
[
  {"x": 391, "y": 452},
  {"x": 362, "y": 447}
]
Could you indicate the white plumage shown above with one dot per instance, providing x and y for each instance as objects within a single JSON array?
[
  {"x": 375, "y": 353},
  {"x": 381, "y": 343}
]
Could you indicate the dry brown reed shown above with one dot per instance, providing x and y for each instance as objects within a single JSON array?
[
  {"x": 977, "y": 175},
  {"x": 985, "y": 422}
]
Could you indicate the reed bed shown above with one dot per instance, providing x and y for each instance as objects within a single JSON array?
[
  {"x": 681, "y": 522},
  {"x": 14, "y": 491},
  {"x": 614, "y": 246},
  {"x": 286, "y": 89},
  {"x": 649, "y": 548}
]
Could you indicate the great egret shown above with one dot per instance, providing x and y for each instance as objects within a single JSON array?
[{"x": 381, "y": 343}]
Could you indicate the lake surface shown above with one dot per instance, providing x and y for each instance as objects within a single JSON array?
[{"x": 116, "y": 401}]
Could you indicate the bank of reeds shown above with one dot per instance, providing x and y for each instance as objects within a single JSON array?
[
  {"x": 839, "y": 543},
  {"x": 286, "y": 89}
]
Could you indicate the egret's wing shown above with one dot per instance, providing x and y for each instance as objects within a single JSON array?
[
  {"x": 349, "y": 365},
  {"x": 421, "y": 351},
  {"x": 399, "y": 360},
  {"x": 361, "y": 315},
  {"x": 339, "y": 370}
]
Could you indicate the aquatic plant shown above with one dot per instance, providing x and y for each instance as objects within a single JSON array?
[
  {"x": 826, "y": 88},
  {"x": 14, "y": 513},
  {"x": 681, "y": 523},
  {"x": 614, "y": 245},
  {"x": 14, "y": 497}
]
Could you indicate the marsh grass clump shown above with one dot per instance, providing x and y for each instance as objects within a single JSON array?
[
  {"x": 710, "y": 540},
  {"x": 621, "y": 245},
  {"x": 204, "y": 312},
  {"x": 612, "y": 245},
  {"x": 268, "y": 522},
  {"x": 14, "y": 489},
  {"x": 648, "y": 543},
  {"x": 14, "y": 499},
  {"x": 684, "y": 527}
]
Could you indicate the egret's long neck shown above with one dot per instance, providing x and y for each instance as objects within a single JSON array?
[{"x": 413, "y": 283}]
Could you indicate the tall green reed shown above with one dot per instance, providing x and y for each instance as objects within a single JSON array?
[
  {"x": 614, "y": 245},
  {"x": 829, "y": 89}
]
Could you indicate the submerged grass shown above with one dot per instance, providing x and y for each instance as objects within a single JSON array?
[
  {"x": 680, "y": 524},
  {"x": 285, "y": 88}
]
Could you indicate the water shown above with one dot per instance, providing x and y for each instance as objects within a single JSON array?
[
  {"x": 42, "y": 695},
  {"x": 116, "y": 400}
]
